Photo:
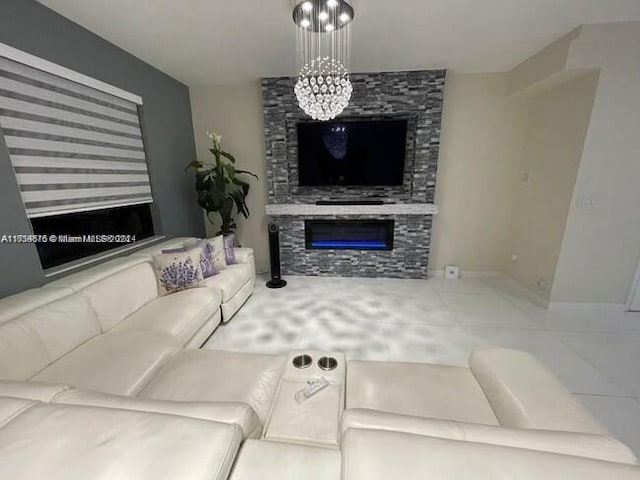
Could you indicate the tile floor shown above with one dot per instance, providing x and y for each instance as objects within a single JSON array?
[{"x": 596, "y": 352}]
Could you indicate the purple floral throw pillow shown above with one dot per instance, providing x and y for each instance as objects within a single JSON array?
[
  {"x": 229, "y": 253},
  {"x": 206, "y": 265},
  {"x": 216, "y": 247},
  {"x": 206, "y": 260},
  {"x": 178, "y": 271}
]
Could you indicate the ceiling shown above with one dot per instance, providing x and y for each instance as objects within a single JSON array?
[{"x": 206, "y": 42}]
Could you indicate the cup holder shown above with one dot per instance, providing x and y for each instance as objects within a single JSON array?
[
  {"x": 302, "y": 361},
  {"x": 327, "y": 363}
]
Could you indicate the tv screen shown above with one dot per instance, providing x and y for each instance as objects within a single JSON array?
[{"x": 357, "y": 153}]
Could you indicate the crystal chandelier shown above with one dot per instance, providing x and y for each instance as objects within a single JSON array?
[{"x": 323, "y": 88}]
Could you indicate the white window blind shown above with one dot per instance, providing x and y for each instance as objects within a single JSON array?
[{"x": 73, "y": 147}]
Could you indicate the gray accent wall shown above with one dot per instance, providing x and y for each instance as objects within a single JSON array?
[{"x": 166, "y": 118}]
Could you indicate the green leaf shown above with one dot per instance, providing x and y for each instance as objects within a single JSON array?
[
  {"x": 194, "y": 164},
  {"x": 230, "y": 169},
  {"x": 248, "y": 173},
  {"x": 231, "y": 158}
]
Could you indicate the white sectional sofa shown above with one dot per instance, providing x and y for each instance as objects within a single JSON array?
[
  {"x": 101, "y": 378},
  {"x": 235, "y": 283}
]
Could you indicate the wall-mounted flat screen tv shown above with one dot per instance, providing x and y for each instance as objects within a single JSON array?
[{"x": 352, "y": 152}]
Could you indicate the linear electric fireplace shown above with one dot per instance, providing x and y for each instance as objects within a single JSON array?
[{"x": 349, "y": 234}]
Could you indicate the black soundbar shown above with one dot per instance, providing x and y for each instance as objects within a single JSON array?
[{"x": 349, "y": 202}]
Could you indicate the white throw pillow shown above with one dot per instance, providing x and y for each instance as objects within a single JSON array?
[
  {"x": 178, "y": 271},
  {"x": 217, "y": 252}
]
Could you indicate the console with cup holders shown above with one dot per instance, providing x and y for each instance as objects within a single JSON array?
[{"x": 314, "y": 420}]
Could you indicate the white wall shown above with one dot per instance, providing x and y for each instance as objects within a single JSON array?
[
  {"x": 482, "y": 136},
  {"x": 556, "y": 128},
  {"x": 601, "y": 246},
  {"x": 235, "y": 112},
  {"x": 482, "y": 147},
  {"x": 478, "y": 171}
]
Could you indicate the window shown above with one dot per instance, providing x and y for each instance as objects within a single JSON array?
[
  {"x": 79, "y": 235},
  {"x": 76, "y": 146}
]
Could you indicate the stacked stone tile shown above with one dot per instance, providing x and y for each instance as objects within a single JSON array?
[{"x": 415, "y": 96}]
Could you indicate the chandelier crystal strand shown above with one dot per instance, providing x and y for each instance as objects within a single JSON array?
[{"x": 323, "y": 88}]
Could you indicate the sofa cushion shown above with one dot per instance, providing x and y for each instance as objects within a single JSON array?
[
  {"x": 32, "y": 341},
  {"x": 525, "y": 394},
  {"x": 20, "y": 303},
  {"x": 118, "y": 362},
  {"x": 59, "y": 442},
  {"x": 218, "y": 376},
  {"x": 79, "y": 280},
  {"x": 422, "y": 390},
  {"x": 285, "y": 461},
  {"x": 380, "y": 455},
  {"x": 568, "y": 443},
  {"x": 181, "y": 314},
  {"x": 230, "y": 280},
  {"x": 119, "y": 295},
  {"x": 236, "y": 413}
]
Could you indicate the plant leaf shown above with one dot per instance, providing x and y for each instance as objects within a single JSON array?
[
  {"x": 194, "y": 164},
  {"x": 231, "y": 158},
  {"x": 248, "y": 173}
]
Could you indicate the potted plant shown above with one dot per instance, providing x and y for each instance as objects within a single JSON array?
[{"x": 219, "y": 187}]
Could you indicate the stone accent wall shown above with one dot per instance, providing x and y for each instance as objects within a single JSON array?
[
  {"x": 408, "y": 259},
  {"x": 415, "y": 96}
]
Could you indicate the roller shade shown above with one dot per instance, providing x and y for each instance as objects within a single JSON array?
[{"x": 73, "y": 147}]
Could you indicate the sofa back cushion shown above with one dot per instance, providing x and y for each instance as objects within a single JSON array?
[
  {"x": 119, "y": 295},
  {"x": 23, "y": 302},
  {"x": 32, "y": 341}
]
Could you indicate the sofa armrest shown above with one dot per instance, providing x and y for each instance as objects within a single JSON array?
[
  {"x": 245, "y": 256},
  {"x": 39, "y": 391},
  {"x": 523, "y": 393},
  {"x": 379, "y": 455},
  {"x": 585, "y": 445},
  {"x": 263, "y": 460}
]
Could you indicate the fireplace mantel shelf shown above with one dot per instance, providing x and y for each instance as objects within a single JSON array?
[{"x": 319, "y": 210}]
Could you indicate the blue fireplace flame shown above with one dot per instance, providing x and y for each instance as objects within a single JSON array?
[
  {"x": 349, "y": 234},
  {"x": 373, "y": 245}
]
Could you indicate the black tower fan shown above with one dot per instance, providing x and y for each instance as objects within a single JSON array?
[{"x": 274, "y": 254}]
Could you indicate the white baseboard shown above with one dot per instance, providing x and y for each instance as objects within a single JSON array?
[
  {"x": 584, "y": 306},
  {"x": 465, "y": 274},
  {"x": 530, "y": 295}
]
